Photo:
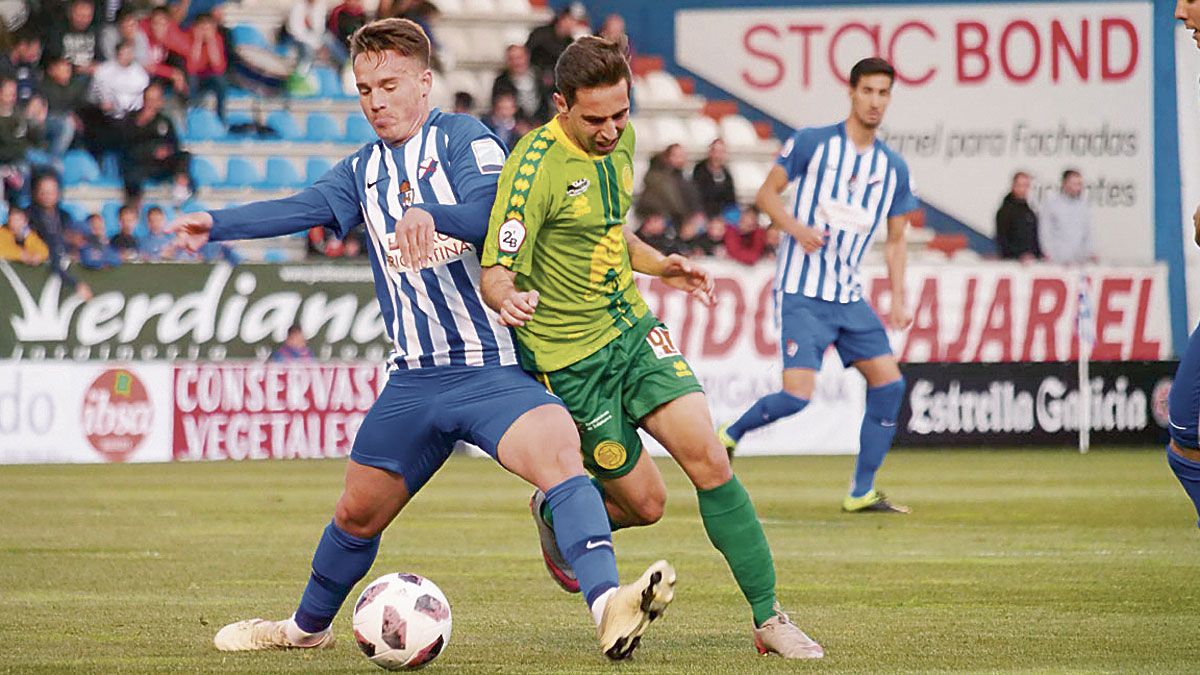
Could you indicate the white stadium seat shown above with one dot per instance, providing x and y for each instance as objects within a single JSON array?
[
  {"x": 450, "y": 7},
  {"x": 644, "y": 128},
  {"x": 738, "y": 132},
  {"x": 479, "y": 6},
  {"x": 702, "y": 130},
  {"x": 671, "y": 130},
  {"x": 749, "y": 175},
  {"x": 519, "y": 7},
  {"x": 662, "y": 88}
]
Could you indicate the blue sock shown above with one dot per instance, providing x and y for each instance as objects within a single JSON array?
[
  {"x": 548, "y": 515},
  {"x": 766, "y": 410},
  {"x": 583, "y": 535},
  {"x": 875, "y": 437},
  {"x": 341, "y": 561},
  {"x": 1188, "y": 473}
]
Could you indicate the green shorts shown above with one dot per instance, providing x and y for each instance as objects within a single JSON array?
[{"x": 609, "y": 392}]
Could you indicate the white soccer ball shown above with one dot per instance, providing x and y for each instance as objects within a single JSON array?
[{"x": 402, "y": 621}]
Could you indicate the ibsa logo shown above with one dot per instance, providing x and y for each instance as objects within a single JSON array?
[{"x": 116, "y": 414}]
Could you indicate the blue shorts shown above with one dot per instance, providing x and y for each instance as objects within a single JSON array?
[
  {"x": 413, "y": 426},
  {"x": 1183, "y": 403},
  {"x": 810, "y": 325}
]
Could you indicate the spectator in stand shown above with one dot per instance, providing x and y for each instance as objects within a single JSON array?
[
  {"x": 1065, "y": 228},
  {"x": 79, "y": 40},
  {"x": 18, "y": 135},
  {"x": 690, "y": 240},
  {"x": 546, "y": 43},
  {"x": 159, "y": 244},
  {"x": 96, "y": 252},
  {"x": 52, "y": 224},
  {"x": 167, "y": 47},
  {"x": 667, "y": 192},
  {"x": 65, "y": 93},
  {"x": 352, "y": 245},
  {"x": 152, "y": 150},
  {"x": 655, "y": 231},
  {"x": 502, "y": 120},
  {"x": 464, "y": 103},
  {"x": 747, "y": 241},
  {"x": 118, "y": 84},
  {"x": 185, "y": 12},
  {"x": 613, "y": 30},
  {"x": 305, "y": 29},
  {"x": 525, "y": 85},
  {"x": 1017, "y": 224},
  {"x": 23, "y": 64},
  {"x": 713, "y": 242},
  {"x": 294, "y": 348},
  {"x": 126, "y": 29},
  {"x": 713, "y": 181},
  {"x": 205, "y": 63},
  {"x": 125, "y": 243},
  {"x": 19, "y": 243},
  {"x": 343, "y": 21}
]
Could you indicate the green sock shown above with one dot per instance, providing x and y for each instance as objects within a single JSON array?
[
  {"x": 549, "y": 517},
  {"x": 733, "y": 528}
]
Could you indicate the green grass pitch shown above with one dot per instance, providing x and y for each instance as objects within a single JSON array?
[{"x": 1034, "y": 561}]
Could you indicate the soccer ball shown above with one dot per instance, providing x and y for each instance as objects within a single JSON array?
[{"x": 402, "y": 621}]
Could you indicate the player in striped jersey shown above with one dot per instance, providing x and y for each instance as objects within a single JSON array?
[
  {"x": 848, "y": 185},
  {"x": 1183, "y": 452},
  {"x": 424, "y": 191}
]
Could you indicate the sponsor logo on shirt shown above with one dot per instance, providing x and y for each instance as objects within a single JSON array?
[
  {"x": 578, "y": 187},
  {"x": 510, "y": 236}
]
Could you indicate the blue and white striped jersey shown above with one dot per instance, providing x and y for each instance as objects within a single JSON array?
[
  {"x": 434, "y": 316},
  {"x": 850, "y": 194}
]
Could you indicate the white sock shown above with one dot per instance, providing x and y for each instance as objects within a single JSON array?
[
  {"x": 299, "y": 636},
  {"x": 599, "y": 605}
]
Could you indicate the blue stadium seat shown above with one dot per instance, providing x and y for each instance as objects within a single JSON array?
[
  {"x": 80, "y": 167},
  {"x": 329, "y": 83},
  {"x": 283, "y": 122},
  {"x": 193, "y": 206},
  {"x": 321, "y": 128},
  {"x": 241, "y": 173},
  {"x": 358, "y": 130},
  {"x": 248, "y": 35},
  {"x": 109, "y": 210},
  {"x": 281, "y": 174},
  {"x": 204, "y": 173},
  {"x": 204, "y": 125},
  {"x": 314, "y": 168},
  {"x": 77, "y": 211}
]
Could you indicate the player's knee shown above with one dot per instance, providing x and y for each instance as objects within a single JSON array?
[
  {"x": 353, "y": 519},
  {"x": 647, "y": 509},
  {"x": 885, "y": 400}
]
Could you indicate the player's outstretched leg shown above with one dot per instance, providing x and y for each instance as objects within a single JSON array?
[
  {"x": 797, "y": 390},
  {"x": 542, "y": 446},
  {"x": 1187, "y": 470},
  {"x": 684, "y": 428},
  {"x": 371, "y": 499}
]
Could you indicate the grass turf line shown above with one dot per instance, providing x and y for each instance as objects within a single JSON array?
[{"x": 1012, "y": 561}]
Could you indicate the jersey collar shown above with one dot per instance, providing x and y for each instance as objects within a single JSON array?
[{"x": 563, "y": 137}]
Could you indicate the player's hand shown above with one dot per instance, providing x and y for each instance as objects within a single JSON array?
[
  {"x": 518, "y": 308},
  {"x": 191, "y": 230},
  {"x": 899, "y": 317},
  {"x": 1196, "y": 224},
  {"x": 810, "y": 238},
  {"x": 414, "y": 238},
  {"x": 679, "y": 272}
]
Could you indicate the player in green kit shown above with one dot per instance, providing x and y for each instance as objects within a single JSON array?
[{"x": 559, "y": 269}]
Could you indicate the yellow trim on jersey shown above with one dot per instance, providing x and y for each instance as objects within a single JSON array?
[{"x": 563, "y": 137}]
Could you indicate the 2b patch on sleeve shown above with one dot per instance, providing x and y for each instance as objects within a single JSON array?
[
  {"x": 488, "y": 155},
  {"x": 511, "y": 236}
]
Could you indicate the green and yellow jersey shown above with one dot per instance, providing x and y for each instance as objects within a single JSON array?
[{"x": 557, "y": 222}]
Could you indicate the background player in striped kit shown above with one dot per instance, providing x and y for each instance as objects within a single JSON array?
[
  {"x": 1183, "y": 452},
  {"x": 424, "y": 191},
  {"x": 848, "y": 184}
]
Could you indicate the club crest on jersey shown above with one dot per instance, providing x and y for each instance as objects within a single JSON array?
[
  {"x": 578, "y": 187},
  {"x": 792, "y": 348},
  {"x": 428, "y": 168},
  {"x": 406, "y": 195}
]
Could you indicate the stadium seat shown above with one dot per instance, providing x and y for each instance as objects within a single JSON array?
[
  {"x": 281, "y": 173},
  {"x": 661, "y": 88},
  {"x": 321, "y": 128},
  {"x": 449, "y": 7},
  {"x": 329, "y": 83},
  {"x": 203, "y": 172},
  {"x": 193, "y": 206},
  {"x": 241, "y": 173},
  {"x": 109, "y": 211},
  {"x": 644, "y": 128},
  {"x": 670, "y": 129},
  {"x": 80, "y": 167},
  {"x": 236, "y": 117},
  {"x": 283, "y": 122},
  {"x": 484, "y": 44},
  {"x": 702, "y": 130},
  {"x": 77, "y": 211},
  {"x": 518, "y": 7},
  {"x": 358, "y": 130},
  {"x": 245, "y": 34},
  {"x": 204, "y": 125},
  {"x": 314, "y": 168},
  {"x": 738, "y": 132},
  {"x": 749, "y": 174},
  {"x": 462, "y": 80},
  {"x": 110, "y": 169},
  {"x": 479, "y": 6}
]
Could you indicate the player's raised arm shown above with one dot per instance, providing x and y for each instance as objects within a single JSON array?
[
  {"x": 331, "y": 202},
  {"x": 675, "y": 270}
]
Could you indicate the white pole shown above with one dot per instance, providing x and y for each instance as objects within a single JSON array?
[{"x": 1087, "y": 337}]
